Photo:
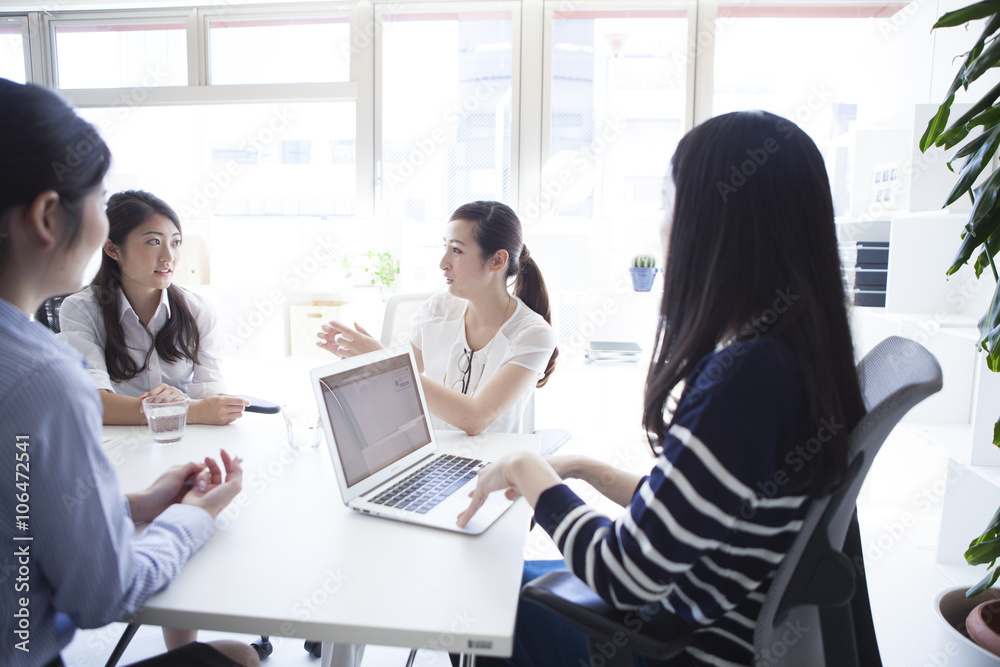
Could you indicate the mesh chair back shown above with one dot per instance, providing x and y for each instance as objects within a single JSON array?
[
  {"x": 48, "y": 313},
  {"x": 897, "y": 374}
]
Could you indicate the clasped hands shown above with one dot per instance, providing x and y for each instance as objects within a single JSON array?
[{"x": 200, "y": 484}]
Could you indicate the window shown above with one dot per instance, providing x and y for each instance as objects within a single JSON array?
[
  {"x": 447, "y": 114},
  {"x": 121, "y": 55},
  {"x": 617, "y": 107},
  {"x": 825, "y": 96},
  {"x": 310, "y": 50},
  {"x": 12, "y": 49}
]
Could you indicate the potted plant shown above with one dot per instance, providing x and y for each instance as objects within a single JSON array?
[
  {"x": 643, "y": 271},
  {"x": 982, "y": 232},
  {"x": 381, "y": 269},
  {"x": 981, "y": 237}
]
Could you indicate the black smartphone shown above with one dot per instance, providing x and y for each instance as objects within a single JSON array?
[{"x": 260, "y": 405}]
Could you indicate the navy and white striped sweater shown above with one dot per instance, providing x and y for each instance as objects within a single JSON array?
[{"x": 707, "y": 528}]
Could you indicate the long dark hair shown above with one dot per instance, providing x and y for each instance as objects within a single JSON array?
[
  {"x": 753, "y": 227},
  {"x": 46, "y": 146},
  {"x": 179, "y": 337},
  {"x": 496, "y": 226}
]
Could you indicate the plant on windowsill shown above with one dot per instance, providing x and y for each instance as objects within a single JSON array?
[
  {"x": 643, "y": 271},
  {"x": 381, "y": 268},
  {"x": 981, "y": 237}
]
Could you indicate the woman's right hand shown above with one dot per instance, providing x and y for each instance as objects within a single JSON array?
[
  {"x": 343, "y": 341},
  {"x": 161, "y": 391}
]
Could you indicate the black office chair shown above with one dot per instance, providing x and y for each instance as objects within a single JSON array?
[
  {"x": 821, "y": 581},
  {"x": 48, "y": 313}
]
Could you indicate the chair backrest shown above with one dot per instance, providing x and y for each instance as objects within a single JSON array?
[
  {"x": 400, "y": 310},
  {"x": 48, "y": 312},
  {"x": 894, "y": 376}
]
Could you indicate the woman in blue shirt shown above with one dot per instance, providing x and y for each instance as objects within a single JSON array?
[
  {"x": 84, "y": 566},
  {"x": 753, "y": 336}
]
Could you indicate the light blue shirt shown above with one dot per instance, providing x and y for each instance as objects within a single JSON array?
[{"x": 69, "y": 556}]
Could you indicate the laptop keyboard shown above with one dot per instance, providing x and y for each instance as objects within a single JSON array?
[{"x": 422, "y": 490}]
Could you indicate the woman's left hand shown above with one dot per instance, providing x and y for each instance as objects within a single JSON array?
[{"x": 343, "y": 341}]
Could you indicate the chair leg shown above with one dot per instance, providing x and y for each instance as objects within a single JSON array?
[
  {"x": 122, "y": 644},
  {"x": 263, "y": 647},
  {"x": 467, "y": 660},
  {"x": 410, "y": 658}
]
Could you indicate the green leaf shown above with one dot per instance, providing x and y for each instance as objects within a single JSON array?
[
  {"x": 979, "y": 10},
  {"x": 987, "y": 60},
  {"x": 996, "y": 433},
  {"x": 974, "y": 166},
  {"x": 937, "y": 124},
  {"x": 961, "y": 127},
  {"x": 984, "y": 552},
  {"x": 988, "y": 580},
  {"x": 990, "y": 249},
  {"x": 989, "y": 330},
  {"x": 971, "y": 147}
]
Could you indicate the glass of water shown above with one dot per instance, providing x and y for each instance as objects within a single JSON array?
[
  {"x": 166, "y": 416},
  {"x": 302, "y": 426}
]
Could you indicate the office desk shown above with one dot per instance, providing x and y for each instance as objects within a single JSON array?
[{"x": 289, "y": 559}]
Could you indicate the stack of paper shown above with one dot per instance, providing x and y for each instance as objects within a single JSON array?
[{"x": 612, "y": 352}]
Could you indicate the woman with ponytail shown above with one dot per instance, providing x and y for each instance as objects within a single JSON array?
[
  {"x": 481, "y": 348},
  {"x": 141, "y": 334}
]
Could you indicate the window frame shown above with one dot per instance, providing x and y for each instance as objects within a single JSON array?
[
  {"x": 396, "y": 7},
  {"x": 530, "y": 78},
  {"x": 23, "y": 21}
]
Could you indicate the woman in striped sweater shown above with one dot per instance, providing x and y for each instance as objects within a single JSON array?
[{"x": 753, "y": 337}]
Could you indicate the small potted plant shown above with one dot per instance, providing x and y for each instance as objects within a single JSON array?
[{"x": 643, "y": 271}]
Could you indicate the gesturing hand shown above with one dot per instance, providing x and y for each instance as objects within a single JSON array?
[
  {"x": 210, "y": 492},
  {"x": 343, "y": 341},
  {"x": 169, "y": 488}
]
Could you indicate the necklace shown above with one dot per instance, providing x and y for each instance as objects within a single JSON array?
[{"x": 468, "y": 353}]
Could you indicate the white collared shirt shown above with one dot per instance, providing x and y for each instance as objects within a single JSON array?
[
  {"x": 525, "y": 339},
  {"x": 82, "y": 326}
]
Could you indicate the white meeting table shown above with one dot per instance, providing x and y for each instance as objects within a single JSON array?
[{"x": 289, "y": 559}]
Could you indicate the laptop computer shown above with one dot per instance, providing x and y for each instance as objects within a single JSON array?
[{"x": 384, "y": 452}]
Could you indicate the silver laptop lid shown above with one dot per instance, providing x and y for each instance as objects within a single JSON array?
[{"x": 375, "y": 417}]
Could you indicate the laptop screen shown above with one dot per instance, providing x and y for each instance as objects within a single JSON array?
[{"x": 375, "y": 414}]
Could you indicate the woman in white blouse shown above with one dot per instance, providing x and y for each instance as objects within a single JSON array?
[
  {"x": 141, "y": 334},
  {"x": 481, "y": 349}
]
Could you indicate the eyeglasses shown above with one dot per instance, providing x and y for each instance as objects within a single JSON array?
[{"x": 465, "y": 366}]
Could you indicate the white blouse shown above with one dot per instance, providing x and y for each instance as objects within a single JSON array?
[
  {"x": 524, "y": 339},
  {"x": 82, "y": 326}
]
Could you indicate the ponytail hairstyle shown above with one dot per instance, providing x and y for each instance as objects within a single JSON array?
[
  {"x": 496, "y": 227},
  {"x": 46, "y": 146},
  {"x": 179, "y": 338},
  {"x": 736, "y": 246}
]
